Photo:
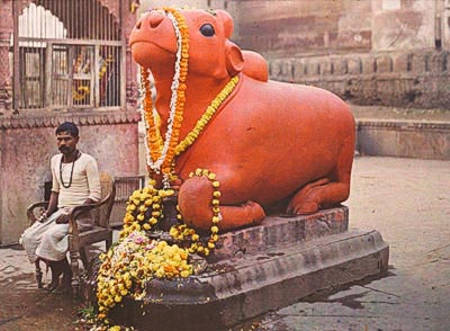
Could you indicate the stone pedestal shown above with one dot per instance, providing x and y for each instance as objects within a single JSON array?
[{"x": 259, "y": 269}]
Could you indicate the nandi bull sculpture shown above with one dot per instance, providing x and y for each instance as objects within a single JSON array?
[
  {"x": 235, "y": 146},
  {"x": 270, "y": 144}
]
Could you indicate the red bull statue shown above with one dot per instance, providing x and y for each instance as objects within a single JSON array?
[{"x": 218, "y": 119}]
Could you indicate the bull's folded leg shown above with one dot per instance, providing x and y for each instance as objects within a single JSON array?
[
  {"x": 321, "y": 196},
  {"x": 249, "y": 213},
  {"x": 307, "y": 200},
  {"x": 195, "y": 199},
  {"x": 326, "y": 192}
]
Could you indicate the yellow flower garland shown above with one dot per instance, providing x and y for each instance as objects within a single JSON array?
[
  {"x": 126, "y": 267},
  {"x": 136, "y": 218},
  {"x": 154, "y": 139},
  {"x": 153, "y": 134},
  {"x": 207, "y": 115},
  {"x": 182, "y": 231},
  {"x": 117, "y": 279}
]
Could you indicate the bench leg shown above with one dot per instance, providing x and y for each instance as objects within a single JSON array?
[
  {"x": 109, "y": 241},
  {"x": 84, "y": 257},
  {"x": 74, "y": 264},
  {"x": 38, "y": 273}
]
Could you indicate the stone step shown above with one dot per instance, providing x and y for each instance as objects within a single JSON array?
[{"x": 235, "y": 290}]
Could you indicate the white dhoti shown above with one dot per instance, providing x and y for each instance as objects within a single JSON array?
[{"x": 47, "y": 240}]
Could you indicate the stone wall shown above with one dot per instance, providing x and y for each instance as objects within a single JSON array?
[
  {"x": 289, "y": 28},
  {"x": 424, "y": 140},
  {"x": 293, "y": 27},
  {"x": 417, "y": 79}
]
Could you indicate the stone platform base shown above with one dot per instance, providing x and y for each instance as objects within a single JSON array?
[{"x": 259, "y": 269}]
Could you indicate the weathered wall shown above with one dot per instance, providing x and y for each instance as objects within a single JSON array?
[
  {"x": 27, "y": 144},
  {"x": 290, "y": 28},
  {"x": 403, "y": 24},
  {"x": 418, "y": 79},
  {"x": 303, "y": 27}
]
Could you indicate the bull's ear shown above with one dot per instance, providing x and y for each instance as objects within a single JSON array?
[
  {"x": 234, "y": 58},
  {"x": 227, "y": 22}
]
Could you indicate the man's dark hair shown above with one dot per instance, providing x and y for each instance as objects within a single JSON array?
[{"x": 68, "y": 127}]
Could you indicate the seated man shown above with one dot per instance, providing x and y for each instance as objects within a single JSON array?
[{"x": 75, "y": 182}]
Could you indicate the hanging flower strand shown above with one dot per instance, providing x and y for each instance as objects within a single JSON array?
[
  {"x": 152, "y": 132},
  {"x": 161, "y": 152}
]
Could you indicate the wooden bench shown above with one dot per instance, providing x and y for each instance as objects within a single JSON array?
[{"x": 78, "y": 241}]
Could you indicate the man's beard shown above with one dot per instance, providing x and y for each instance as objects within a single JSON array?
[{"x": 66, "y": 150}]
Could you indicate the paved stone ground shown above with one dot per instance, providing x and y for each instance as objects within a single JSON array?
[{"x": 407, "y": 200}]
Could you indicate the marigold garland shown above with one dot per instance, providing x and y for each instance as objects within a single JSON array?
[
  {"x": 207, "y": 115},
  {"x": 153, "y": 134},
  {"x": 127, "y": 266},
  {"x": 182, "y": 232},
  {"x": 160, "y": 154}
]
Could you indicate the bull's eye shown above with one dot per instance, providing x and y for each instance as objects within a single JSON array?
[{"x": 207, "y": 30}]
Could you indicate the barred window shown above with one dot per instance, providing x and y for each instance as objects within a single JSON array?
[{"x": 68, "y": 55}]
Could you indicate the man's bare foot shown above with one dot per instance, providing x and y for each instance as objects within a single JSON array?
[{"x": 52, "y": 285}]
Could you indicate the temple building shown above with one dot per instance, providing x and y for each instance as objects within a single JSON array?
[{"x": 62, "y": 61}]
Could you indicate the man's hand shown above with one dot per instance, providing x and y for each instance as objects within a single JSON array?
[
  {"x": 64, "y": 217},
  {"x": 43, "y": 217}
]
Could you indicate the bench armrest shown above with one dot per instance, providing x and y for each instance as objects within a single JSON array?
[{"x": 79, "y": 210}]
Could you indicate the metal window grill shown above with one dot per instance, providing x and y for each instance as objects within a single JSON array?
[{"x": 68, "y": 54}]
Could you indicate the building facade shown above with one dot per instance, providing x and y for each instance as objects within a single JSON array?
[
  {"x": 385, "y": 52},
  {"x": 62, "y": 61}
]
